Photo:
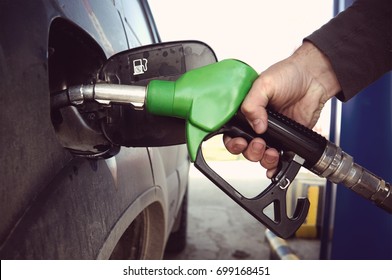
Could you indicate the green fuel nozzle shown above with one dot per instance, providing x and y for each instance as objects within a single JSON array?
[{"x": 206, "y": 98}]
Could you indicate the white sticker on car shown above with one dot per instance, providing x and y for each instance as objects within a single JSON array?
[{"x": 139, "y": 66}]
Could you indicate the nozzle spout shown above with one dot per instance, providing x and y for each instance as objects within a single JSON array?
[
  {"x": 340, "y": 168},
  {"x": 124, "y": 94},
  {"x": 101, "y": 93}
]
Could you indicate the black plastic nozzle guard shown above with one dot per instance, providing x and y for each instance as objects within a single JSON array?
[{"x": 274, "y": 195}]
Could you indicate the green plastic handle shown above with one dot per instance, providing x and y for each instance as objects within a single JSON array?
[{"x": 205, "y": 97}]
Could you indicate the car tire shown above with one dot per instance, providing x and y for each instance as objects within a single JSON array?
[{"x": 178, "y": 239}]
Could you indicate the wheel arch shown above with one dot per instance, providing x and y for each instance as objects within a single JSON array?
[{"x": 150, "y": 203}]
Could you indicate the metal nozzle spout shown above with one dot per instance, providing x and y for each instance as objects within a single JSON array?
[
  {"x": 102, "y": 93},
  {"x": 124, "y": 94},
  {"x": 340, "y": 168}
]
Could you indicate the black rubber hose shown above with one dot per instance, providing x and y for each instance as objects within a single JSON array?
[{"x": 59, "y": 100}]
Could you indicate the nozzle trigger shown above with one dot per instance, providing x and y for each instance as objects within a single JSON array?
[{"x": 274, "y": 195}]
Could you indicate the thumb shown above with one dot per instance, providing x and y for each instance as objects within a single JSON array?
[{"x": 254, "y": 108}]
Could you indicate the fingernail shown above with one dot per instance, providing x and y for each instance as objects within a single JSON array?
[
  {"x": 258, "y": 125},
  {"x": 238, "y": 148},
  {"x": 257, "y": 147},
  {"x": 270, "y": 159}
]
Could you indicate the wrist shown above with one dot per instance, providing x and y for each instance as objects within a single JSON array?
[{"x": 318, "y": 67}]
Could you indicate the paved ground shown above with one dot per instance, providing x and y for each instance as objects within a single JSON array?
[{"x": 219, "y": 229}]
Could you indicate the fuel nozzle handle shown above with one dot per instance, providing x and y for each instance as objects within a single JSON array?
[{"x": 321, "y": 156}]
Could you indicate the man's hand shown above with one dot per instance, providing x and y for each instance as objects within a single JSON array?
[{"x": 297, "y": 87}]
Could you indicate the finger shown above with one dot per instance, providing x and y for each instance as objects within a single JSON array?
[
  {"x": 270, "y": 159},
  {"x": 255, "y": 150},
  {"x": 235, "y": 145},
  {"x": 271, "y": 173}
]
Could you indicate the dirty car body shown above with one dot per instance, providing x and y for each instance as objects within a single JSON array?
[{"x": 67, "y": 192}]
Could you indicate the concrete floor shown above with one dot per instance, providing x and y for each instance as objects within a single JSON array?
[{"x": 219, "y": 229}]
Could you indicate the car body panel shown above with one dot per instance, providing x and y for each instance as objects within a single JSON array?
[{"x": 55, "y": 205}]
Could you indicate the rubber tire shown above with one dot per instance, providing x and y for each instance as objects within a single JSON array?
[{"x": 178, "y": 239}]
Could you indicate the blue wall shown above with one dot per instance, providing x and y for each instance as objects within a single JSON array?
[{"x": 361, "y": 230}]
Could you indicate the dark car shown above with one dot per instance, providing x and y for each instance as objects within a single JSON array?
[{"x": 66, "y": 190}]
